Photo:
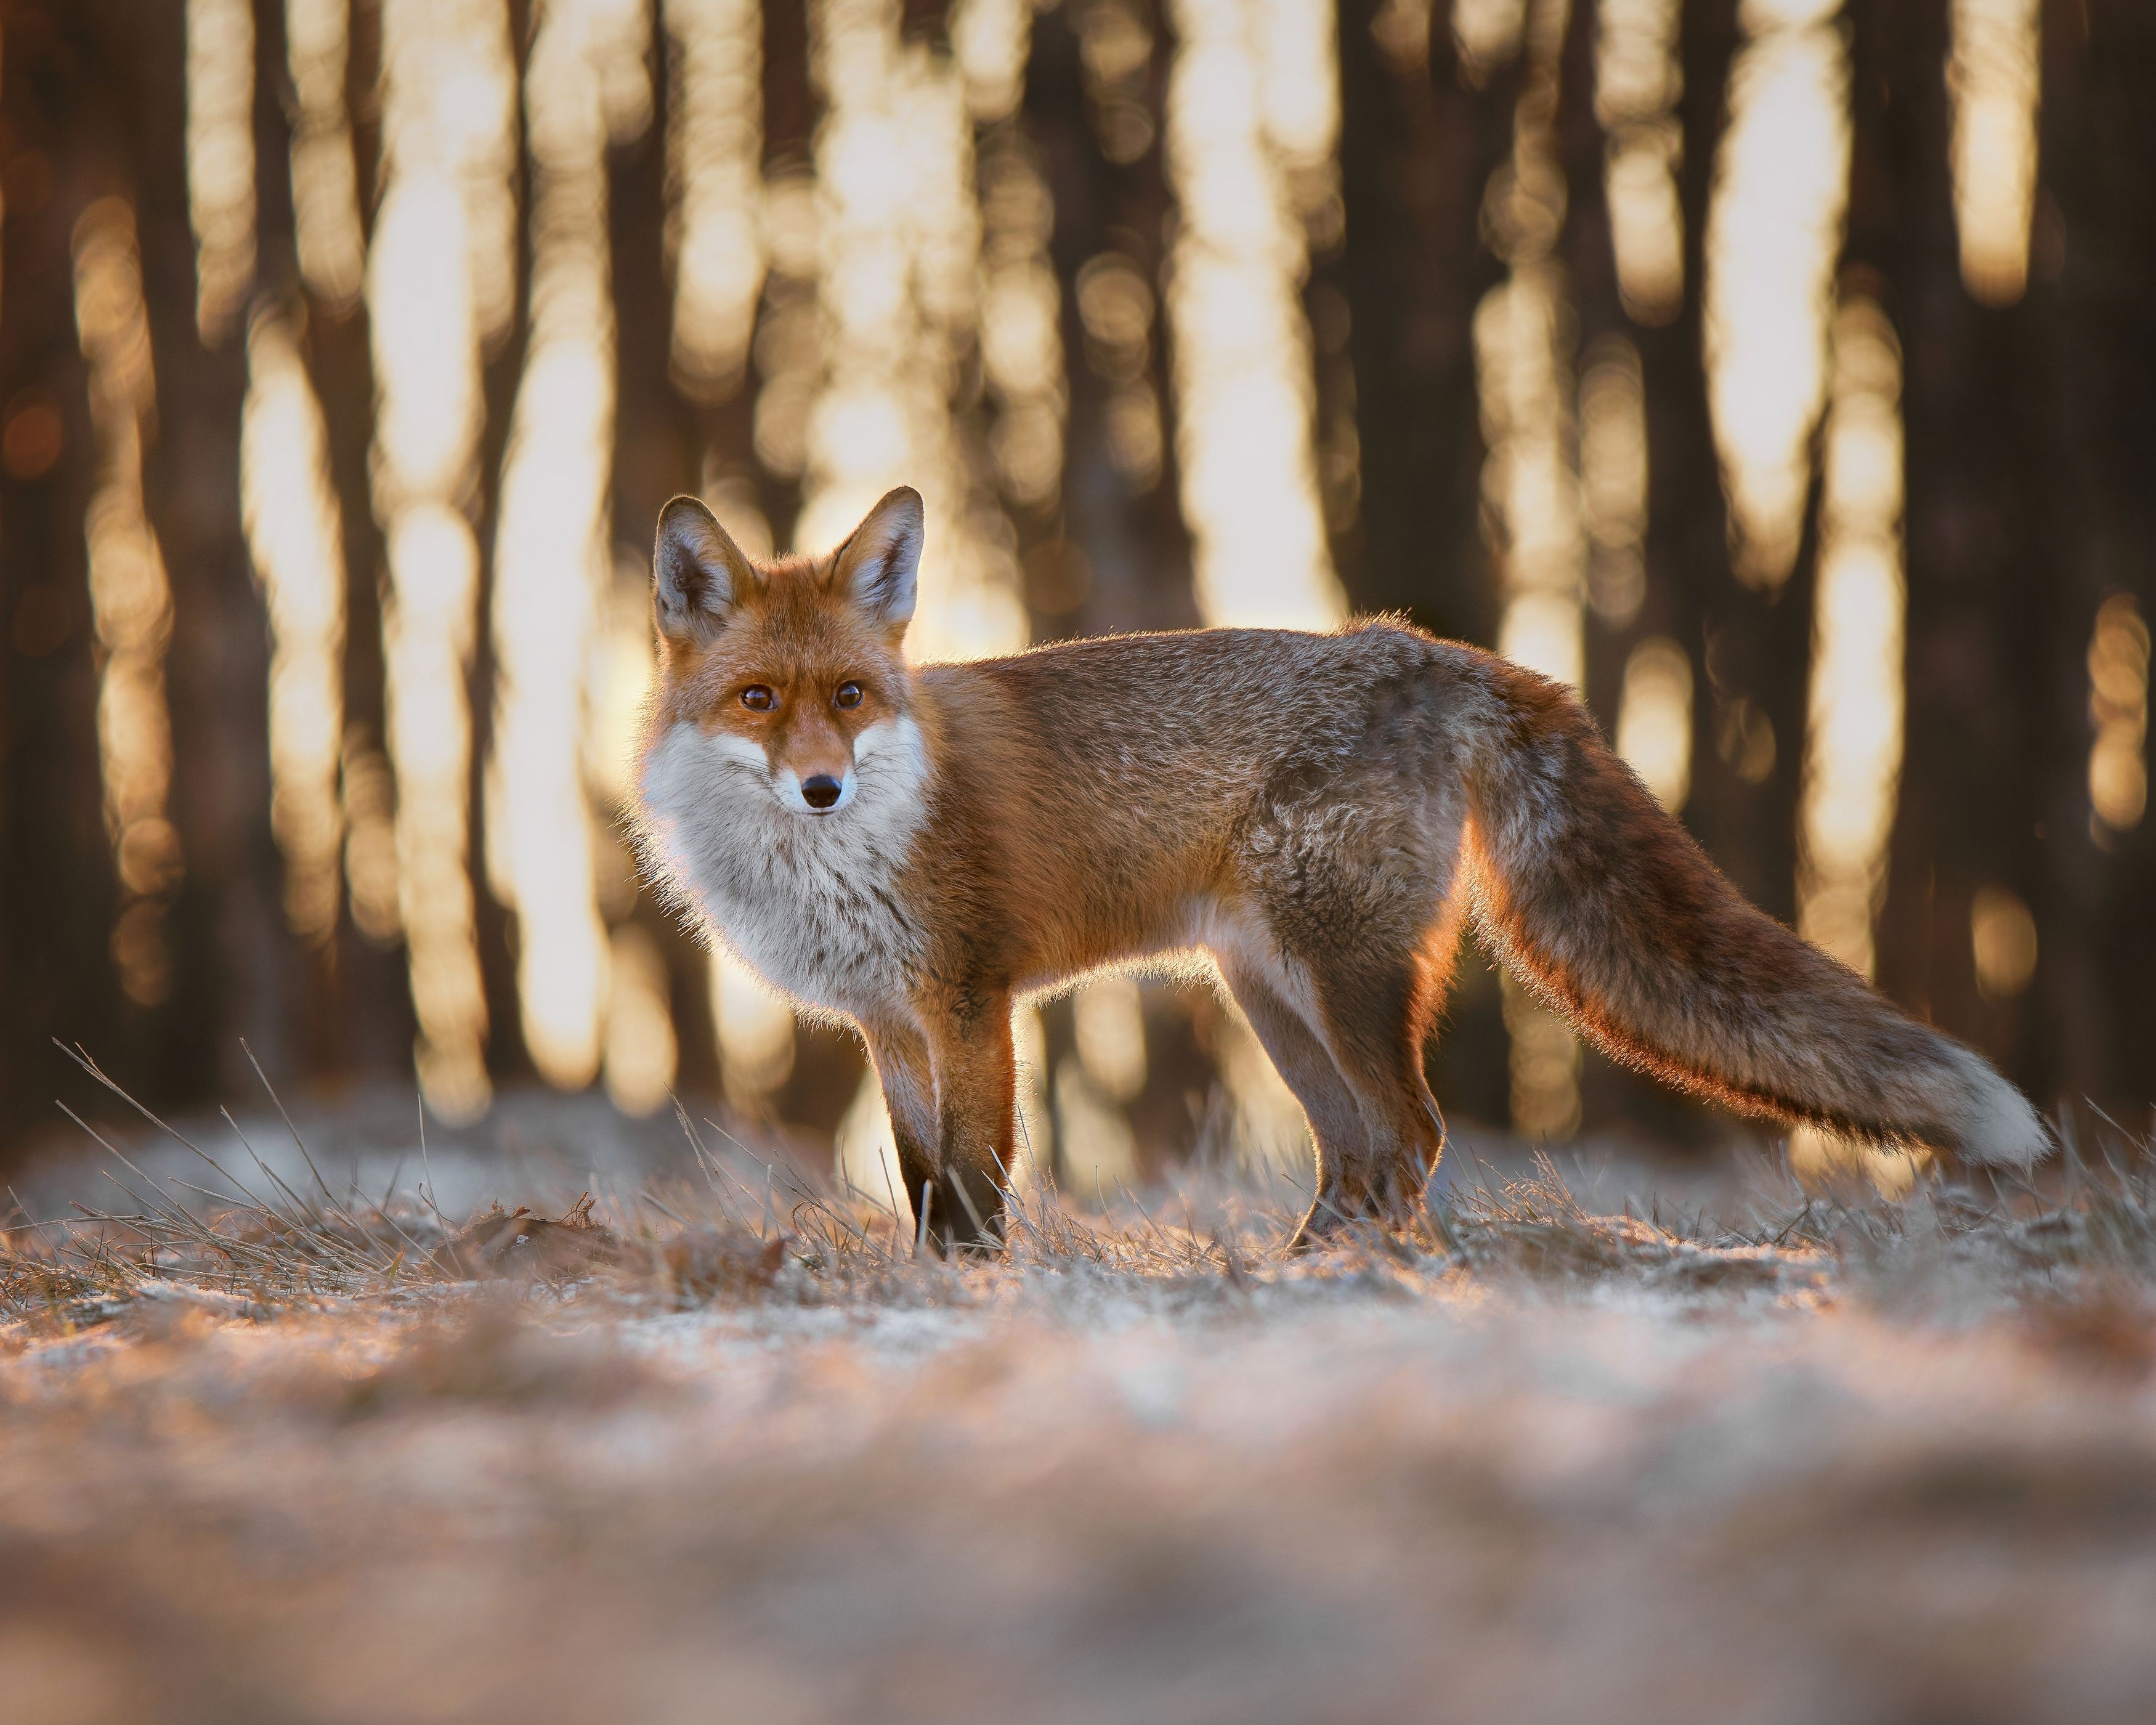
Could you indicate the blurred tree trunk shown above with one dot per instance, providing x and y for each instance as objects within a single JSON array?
[
  {"x": 372, "y": 1021},
  {"x": 1750, "y": 648},
  {"x": 1976, "y": 677},
  {"x": 1418, "y": 147},
  {"x": 1590, "y": 268},
  {"x": 1122, "y": 559},
  {"x": 228, "y": 938},
  {"x": 501, "y": 370},
  {"x": 2090, "y": 410},
  {"x": 58, "y": 894},
  {"x": 308, "y": 1038},
  {"x": 792, "y": 106}
]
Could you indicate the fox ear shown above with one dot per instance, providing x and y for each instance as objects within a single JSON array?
[
  {"x": 879, "y": 567},
  {"x": 699, "y": 574}
]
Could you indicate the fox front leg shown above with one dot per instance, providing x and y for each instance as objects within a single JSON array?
[
  {"x": 969, "y": 1046},
  {"x": 907, "y": 1080}
]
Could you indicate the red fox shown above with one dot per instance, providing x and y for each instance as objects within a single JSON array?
[{"x": 909, "y": 848}]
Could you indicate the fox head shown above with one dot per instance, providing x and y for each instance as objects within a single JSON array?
[{"x": 792, "y": 673}]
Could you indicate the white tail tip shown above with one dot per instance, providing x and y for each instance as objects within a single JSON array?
[{"x": 2003, "y": 1130}]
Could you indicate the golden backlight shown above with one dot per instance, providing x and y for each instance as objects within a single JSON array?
[
  {"x": 900, "y": 307},
  {"x": 2119, "y": 712},
  {"x": 325, "y": 181},
  {"x": 294, "y": 538},
  {"x": 1486, "y": 34},
  {"x": 1021, "y": 303},
  {"x": 440, "y": 275},
  {"x": 1612, "y": 476},
  {"x": 1637, "y": 82},
  {"x": 715, "y": 227},
  {"x": 1251, "y": 129},
  {"x": 220, "y": 141},
  {"x": 1654, "y": 719},
  {"x": 1774, "y": 234},
  {"x": 1994, "y": 78},
  {"x": 1530, "y": 485},
  {"x": 131, "y": 597},
  {"x": 898, "y": 246},
  {"x": 585, "y": 87},
  {"x": 1853, "y": 735}
]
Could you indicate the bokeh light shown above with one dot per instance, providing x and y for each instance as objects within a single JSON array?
[
  {"x": 641, "y": 1051},
  {"x": 440, "y": 279},
  {"x": 1239, "y": 151},
  {"x": 1613, "y": 475},
  {"x": 898, "y": 227},
  {"x": 714, "y": 146},
  {"x": 1995, "y": 80},
  {"x": 1021, "y": 307},
  {"x": 221, "y": 158},
  {"x": 2003, "y": 942},
  {"x": 1486, "y": 34},
  {"x": 1637, "y": 80},
  {"x": 1853, "y": 737},
  {"x": 584, "y": 87},
  {"x": 324, "y": 177},
  {"x": 131, "y": 597},
  {"x": 1654, "y": 719},
  {"x": 295, "y": 537},
  {"x": 2119, "y": 712},
  {"x": 1774, "y": 231}
]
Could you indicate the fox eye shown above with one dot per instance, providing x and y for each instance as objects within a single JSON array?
[
  {"x": 849, "y": 694},
  {"x": 758, "y": 699}
]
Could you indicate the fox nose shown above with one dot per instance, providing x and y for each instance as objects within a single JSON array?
[{"x": 820, "y": 792}]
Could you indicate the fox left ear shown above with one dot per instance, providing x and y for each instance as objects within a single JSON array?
[
  {"x": 879, "y": 566},
  {"x": 699, "y": 574}
]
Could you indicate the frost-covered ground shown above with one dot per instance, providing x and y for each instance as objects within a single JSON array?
[{"x": 737, "y": 1457}]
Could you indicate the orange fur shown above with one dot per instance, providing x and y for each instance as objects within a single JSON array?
[{"x": 1322, "y": 814}]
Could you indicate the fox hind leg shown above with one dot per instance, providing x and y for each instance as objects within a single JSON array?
[
  {"x": 1358, "y": 1073},
  {"x": 1375, "y": 1015},
  {"x": 1299, "y": 1056}
]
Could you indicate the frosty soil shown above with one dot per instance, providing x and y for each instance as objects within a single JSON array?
[{"x": 1832, "y": 1459}]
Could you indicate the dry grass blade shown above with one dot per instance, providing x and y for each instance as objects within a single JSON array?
[{"x": 682, "y": 1242}]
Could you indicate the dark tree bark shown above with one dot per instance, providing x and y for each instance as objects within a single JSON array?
[
  {"x": 1689, "y": 580},
  {"x": 1417, "y": 149},
  {"x": 1590, "y": 267},
  {"x": 372, "y": 1022},
  {"x": 225, "y": 924},
  {"x": 792, "y": 106},
  {"x": 1122, "y": 558},
  {"x": 2090, "y": 398},
  {"x": 1975, "y": 674},
  {"x": 58, "y": 893}
]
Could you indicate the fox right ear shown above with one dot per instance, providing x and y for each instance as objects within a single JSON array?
[{"x": 699, "y": 574}]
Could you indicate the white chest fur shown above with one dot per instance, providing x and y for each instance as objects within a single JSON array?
[{"x": 810, "y": 901}]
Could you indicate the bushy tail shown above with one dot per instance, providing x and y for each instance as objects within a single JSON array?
[{"x": 1595, "y": 898}]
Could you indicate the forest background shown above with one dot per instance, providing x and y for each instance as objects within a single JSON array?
[{"x": 1782, "y": 374}]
